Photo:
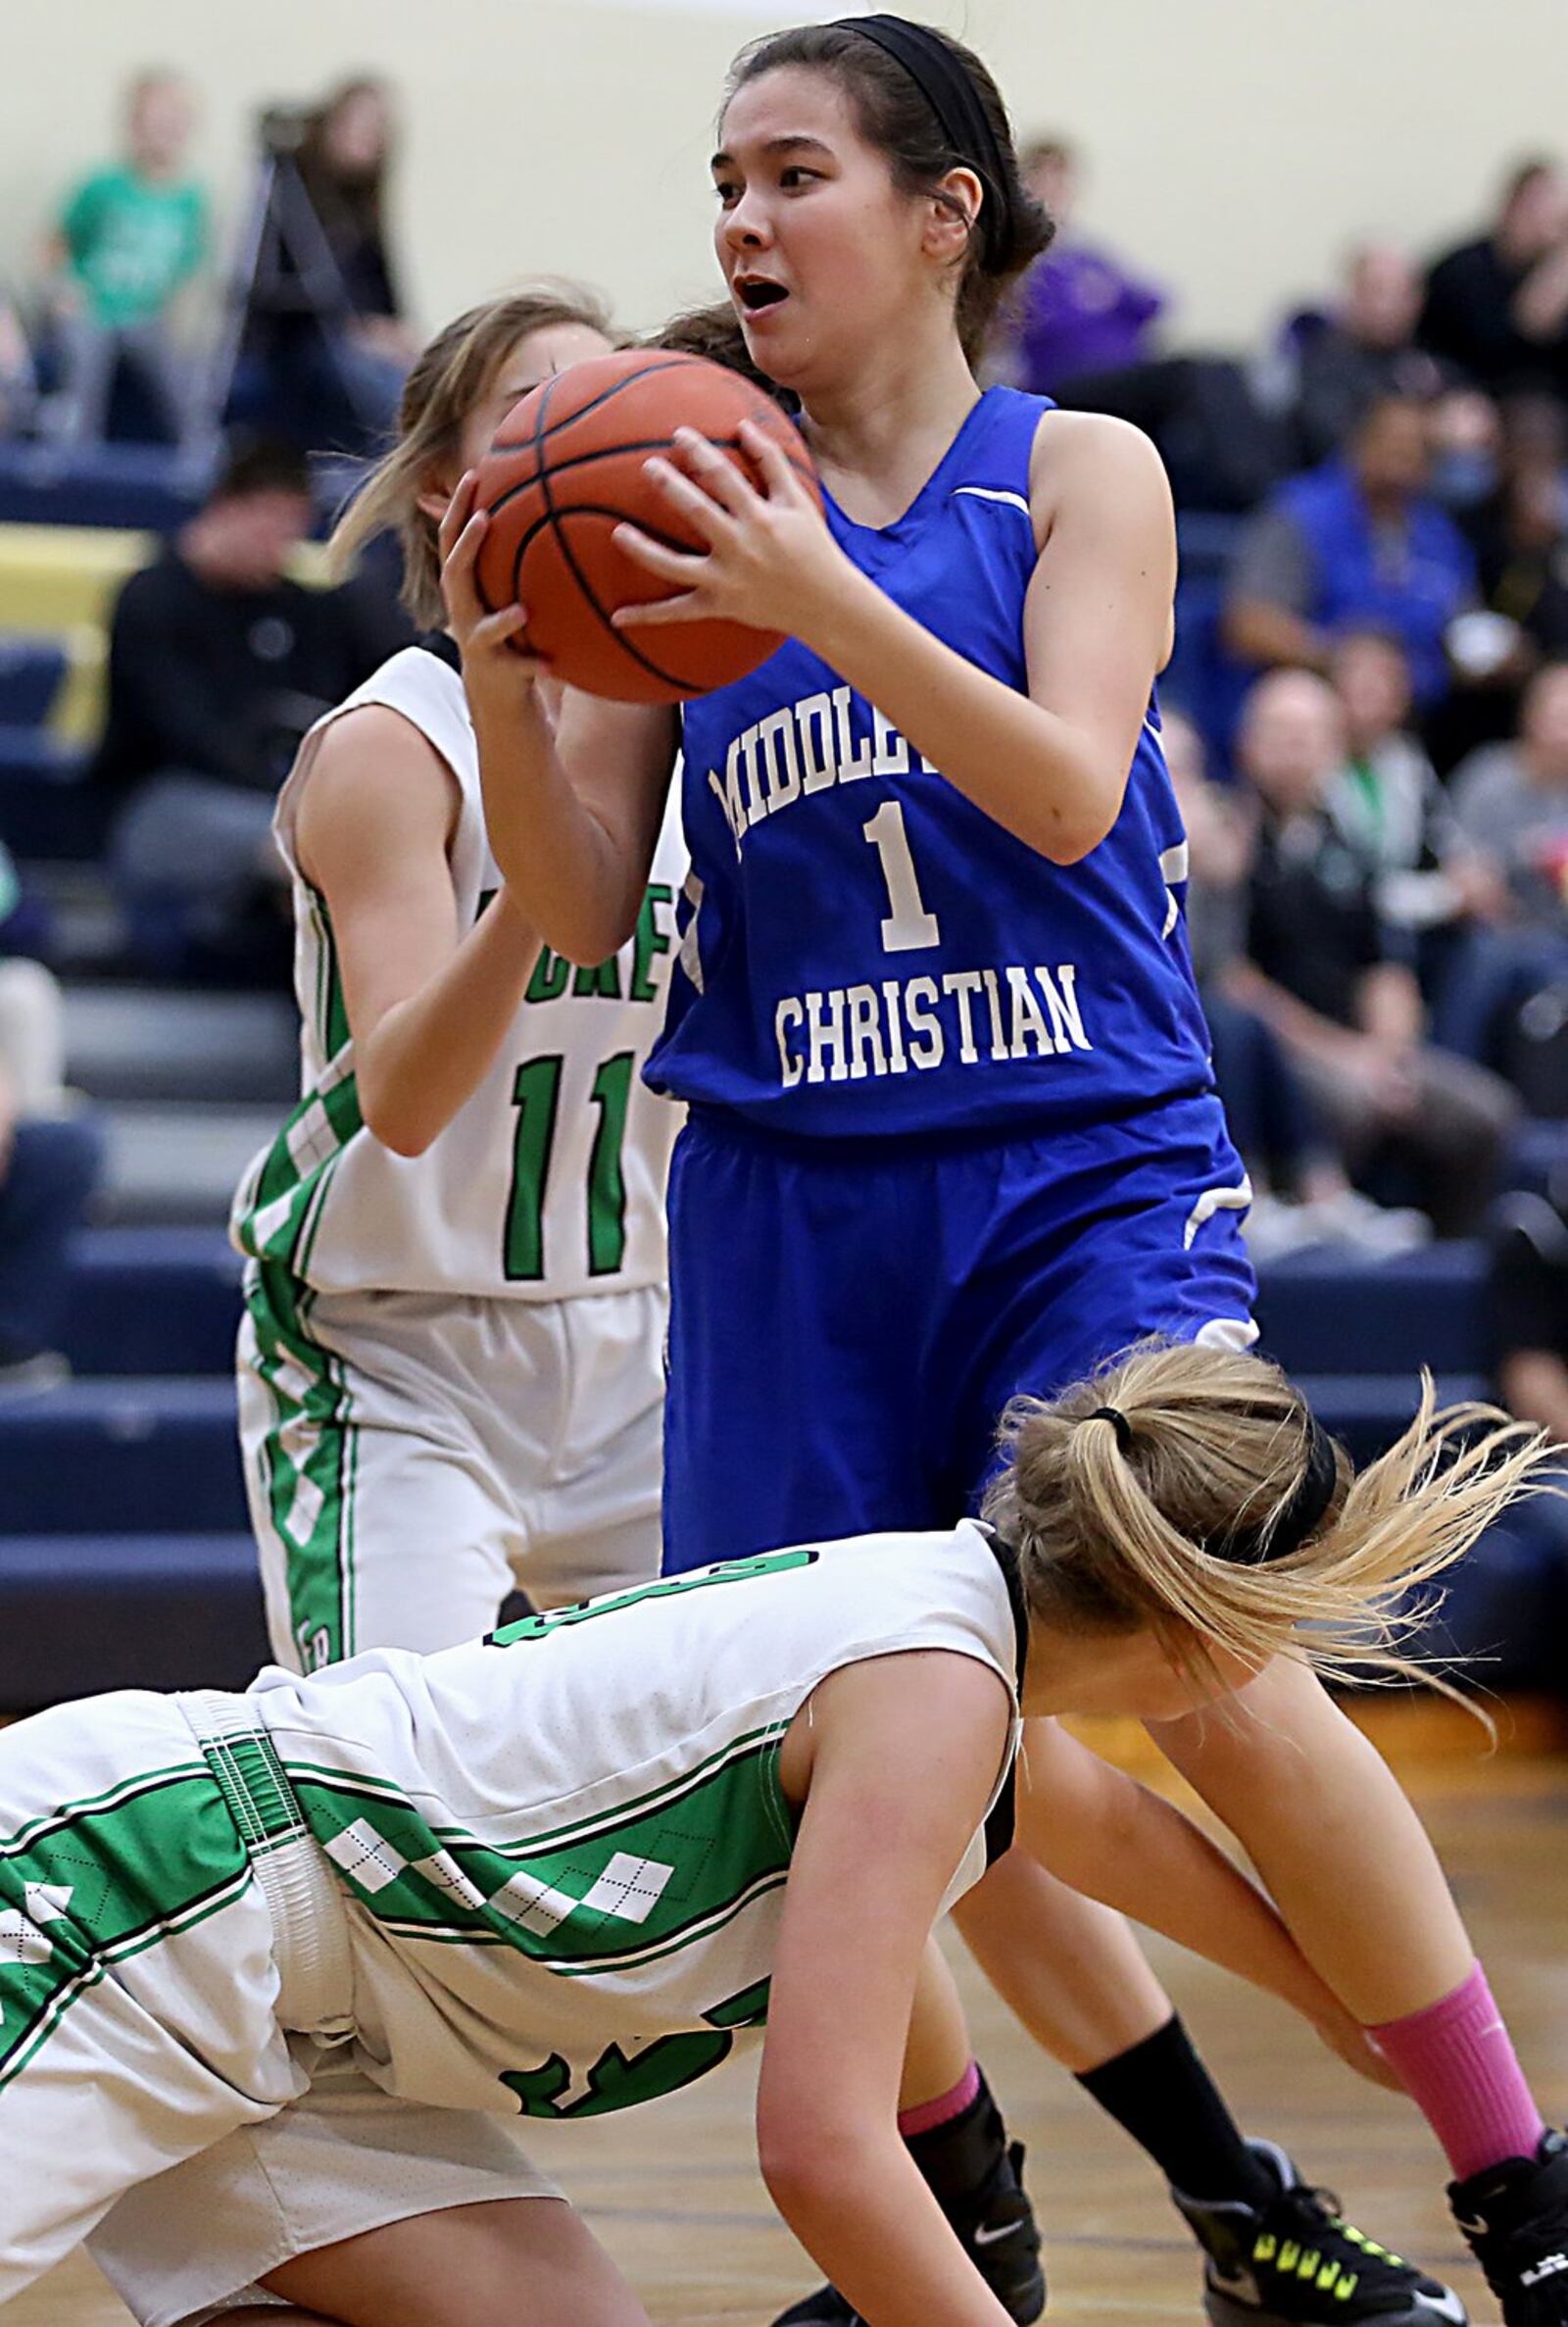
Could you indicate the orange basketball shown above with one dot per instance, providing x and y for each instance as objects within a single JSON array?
[{"x": 566, "y": 470}]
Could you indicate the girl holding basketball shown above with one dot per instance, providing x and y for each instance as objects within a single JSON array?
[
  {"x": 454, "y": 1303},
  {"x": 954, "y": 1133},
  {"x": 575, "y": 1867}
]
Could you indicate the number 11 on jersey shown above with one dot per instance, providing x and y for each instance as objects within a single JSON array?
[{"x": 909, "y": 928}]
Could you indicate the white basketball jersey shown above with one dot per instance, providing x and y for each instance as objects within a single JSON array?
[
  {"x": 566, "y": 1848},
  {"x": 550, "y": 1180}
]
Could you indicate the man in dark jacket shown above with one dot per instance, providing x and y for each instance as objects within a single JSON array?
[{"x": 219, "y": 662}]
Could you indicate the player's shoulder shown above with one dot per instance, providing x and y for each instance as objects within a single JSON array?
[
  {"x": 1094, "y": 442},
  {"x": 1078, "y": 453}
]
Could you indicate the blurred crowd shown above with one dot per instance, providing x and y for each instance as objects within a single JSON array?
[
  {"x": 136, "y": 327},
  {"x": 1366, "y": 718}
]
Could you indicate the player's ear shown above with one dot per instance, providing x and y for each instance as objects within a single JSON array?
[
  {"x": 954, "y": 208},
  {"x": 440, "y": 480}
]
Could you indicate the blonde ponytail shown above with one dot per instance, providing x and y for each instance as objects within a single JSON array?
[{"x": 1153, "y": 1496}]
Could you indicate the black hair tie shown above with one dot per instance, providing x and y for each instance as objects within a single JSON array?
[
  {"x": 1302, "y": 1514},
  {"x": 955, "y": 101},
  {"x": 1118, "y": 1422}
]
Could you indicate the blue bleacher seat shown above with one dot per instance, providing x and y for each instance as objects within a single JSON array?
[
  {"x": 140, "y": 486},
  {"x": 1500, "y": 1624},
  {"x": 1366, "y": 1411},
  {"x": 152, "y": 1301},
  {"x": 116, "y": 1455},
  {"x": 47, "y": 808},
  {"x": 31, "y": 671},
  {"x": 1324, "y": 1312},
  {"x": 85, "y": 1612}
]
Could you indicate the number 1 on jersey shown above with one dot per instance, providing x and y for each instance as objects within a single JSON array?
[{"x": 909, "y": 927}]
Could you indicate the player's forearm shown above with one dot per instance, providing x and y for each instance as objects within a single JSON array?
[
  {"x": 859, "y": 2206},
  {"x": 567, "y": 877},
  {"x": 429, "y": 1055},
  {"x": 1037, "y": 775}
]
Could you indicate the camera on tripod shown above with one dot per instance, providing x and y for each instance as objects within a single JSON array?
[{"x": 282, "y": 128}]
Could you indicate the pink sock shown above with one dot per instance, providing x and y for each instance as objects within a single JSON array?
[
  {"x": 941, "y": 2111},
  {"x": 1456, "y": 2061}
]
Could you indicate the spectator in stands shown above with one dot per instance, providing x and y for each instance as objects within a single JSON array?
[
  {"x": 19, "y": 380},
  {"x": 1497, "y": 307},
  {"x": 1301, "y": 1195},
  {"x": 1340, "y": 363},
  {"x": 343, "y": 164},
  {"x": 1357, "y": 542},
  {"x": 1391, "y": 811},
  {"x": 218, "y": 664},
  {"x": 1511, "y": 804},
  {"x": 1521, "y": 532},
  {"x": 49, "y": 1162},
  {"x": 1079, "y": 311},
  {"x": 129, "y": 238},
  {"x": 1507, "y": 1005},
  {"x": 1529, "y": 1309},
  {"x": 1335, "y": 983}
]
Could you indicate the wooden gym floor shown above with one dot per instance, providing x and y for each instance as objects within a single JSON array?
[{"x": 675, "y": 2194}]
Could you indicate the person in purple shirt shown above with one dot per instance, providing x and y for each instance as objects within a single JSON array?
[{"x": 1078, "y": 311}]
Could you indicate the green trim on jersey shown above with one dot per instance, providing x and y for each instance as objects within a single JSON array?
[
  {"x": 331, "y": 1011},
  {"x": 94, "y": 1884},
  {"x": 636, "y": 1883},
  {"x": 280, "y": 1210},
  {"x": 693, "y": 1579},
  {"x": 309, "y": 1462}
]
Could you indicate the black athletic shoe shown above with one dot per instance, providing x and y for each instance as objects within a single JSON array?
[
  {"x": 1297, "y": 2263},
  {"x": 978, "y": 2179},
  {"x": 1515, "y": 2216}
]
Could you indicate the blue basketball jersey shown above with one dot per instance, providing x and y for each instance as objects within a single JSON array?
[{"x": 868, "y": 954}]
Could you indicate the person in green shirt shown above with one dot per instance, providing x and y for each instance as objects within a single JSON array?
[{"x": 129, "y": 237}]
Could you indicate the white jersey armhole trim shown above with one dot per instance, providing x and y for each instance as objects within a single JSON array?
[{"x": 379, "y": 692}]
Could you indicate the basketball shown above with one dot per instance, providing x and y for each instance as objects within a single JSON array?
[{"x": 566, "y": 470}]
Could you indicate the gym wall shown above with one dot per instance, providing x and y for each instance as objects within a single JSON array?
[{"x": 1236, "y": 146}]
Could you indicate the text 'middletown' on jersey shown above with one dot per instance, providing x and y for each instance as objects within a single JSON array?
[
  {"x": 550, "y": 1180},
  {"x": 868, "y": 954},
  {"x": 565, "y": 1846}
]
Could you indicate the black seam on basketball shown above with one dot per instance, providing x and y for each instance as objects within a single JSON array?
[
  {"x": 670, "y": 360},
  {"x": 590, "y": 598},
  {"x": 596, "y": 508},
  {"x": 668, "y": 678},
  {"x": 611, "y": 452}
]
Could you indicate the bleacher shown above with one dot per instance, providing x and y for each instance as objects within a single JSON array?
[{"x": 124, "y": 1552}]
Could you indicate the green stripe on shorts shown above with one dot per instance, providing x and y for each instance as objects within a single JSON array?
[
  {"x": 310, "y": 1462},
  {"x": 95, "y": 1886}
]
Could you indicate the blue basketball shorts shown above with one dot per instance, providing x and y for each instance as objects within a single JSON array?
[{"x": 847, "y": 1324}]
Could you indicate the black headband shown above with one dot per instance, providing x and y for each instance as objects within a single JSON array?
[
  {"x": 954, "y": 100},
  {"x": 1252, "y": 1547}
]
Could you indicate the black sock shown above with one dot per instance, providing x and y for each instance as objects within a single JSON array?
[
  {"x": 956, "y": 2158},
  {"x": 1161, "y": 2093}
]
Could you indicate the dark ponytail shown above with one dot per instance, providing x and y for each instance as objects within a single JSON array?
[{"x": 715, "y": 332}]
